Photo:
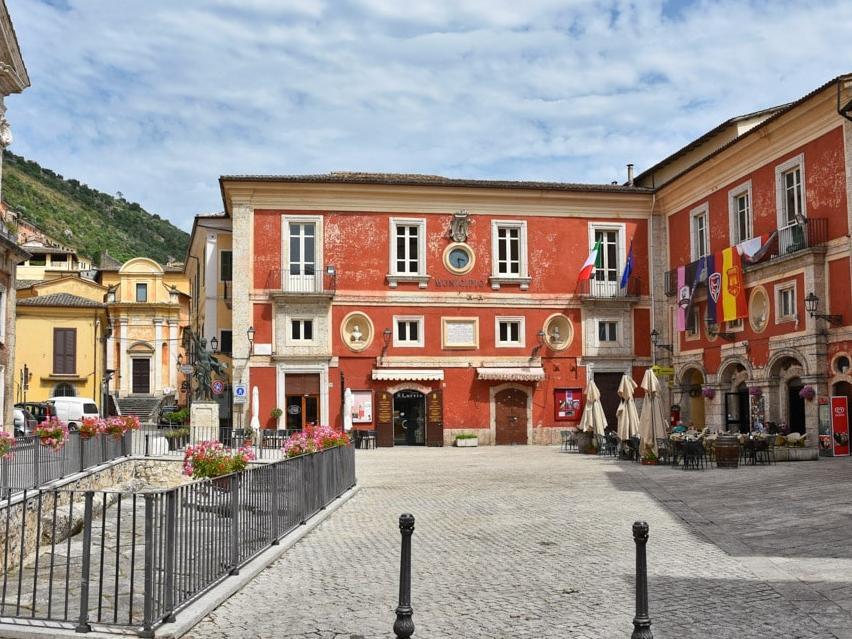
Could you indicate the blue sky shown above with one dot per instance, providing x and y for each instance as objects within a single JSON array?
[{"x": 156, "y": 99}]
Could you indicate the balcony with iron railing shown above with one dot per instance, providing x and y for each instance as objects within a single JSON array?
[
  {"x": 787, "y": 242},
  {"x": 595, "y": 289},
  {"x": 284, "y": 283}
]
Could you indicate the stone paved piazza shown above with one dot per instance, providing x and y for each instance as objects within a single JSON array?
[{"x": 531, "y": 542}]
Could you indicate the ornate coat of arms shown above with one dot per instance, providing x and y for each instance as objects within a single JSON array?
[
  {"x": 715, "y": 285},
  {"x": 683, "y": 296},
  {"x": 459, "y": 226}
]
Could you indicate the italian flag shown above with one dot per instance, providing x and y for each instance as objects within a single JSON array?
[{"x": 589, "y": 264}]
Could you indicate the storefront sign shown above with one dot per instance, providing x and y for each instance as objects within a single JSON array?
[
  {"x": 384, "y": 418},
  {"x": 568, "y": 404},
  {"x": 435, "y": 418},
  {"x": 840, "y": 425},
  {"x": 362, "y": 407}
]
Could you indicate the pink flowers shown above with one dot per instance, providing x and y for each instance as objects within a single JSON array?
[
  {"x": 52, "y": 432},
  {"x": 91, "y": 426},
  {"x": 312, "y": 440},
  {"x": 117, "y": 426},
  {"x": 7, "y": 441},
  {"x": 807, "y": 392},
  {"x": 212, "y": 459}
]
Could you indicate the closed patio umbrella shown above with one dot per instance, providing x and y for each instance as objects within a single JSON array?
[
  {"x": 652, "y": 421},
  {"x": 628, "y": 417},
  {"x": 255, "y": 410},
  {"x": 348, "y": 403},
  {"x": 593, "y": 419}
]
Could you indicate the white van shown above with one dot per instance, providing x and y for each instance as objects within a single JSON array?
[{"x": 72, "y": 410}]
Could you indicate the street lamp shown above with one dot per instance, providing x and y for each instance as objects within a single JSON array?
[
  {"x": 811, "y": 306},
  {"x": 655, "y": 340},
  {"x": 250, "y": 334},
  {"x": 214, "y": 344},
  {"x": 180, "y": 359}
]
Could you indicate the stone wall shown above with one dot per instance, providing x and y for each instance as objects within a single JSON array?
[{"x": 27, "y": 518}]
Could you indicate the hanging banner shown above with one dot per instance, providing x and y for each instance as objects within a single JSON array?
[
  {"x": 682, "y": 298},
  {"x": 734, "y": 305},
  {"x": 840, "y": 425}
]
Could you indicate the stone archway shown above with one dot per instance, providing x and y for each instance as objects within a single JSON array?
[
  {"x": 733, "y": 400},
  {"x": 692, "y": 380},
  {"x": 786, "y": 370}
]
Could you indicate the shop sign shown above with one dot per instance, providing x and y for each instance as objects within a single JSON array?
[{"x": 840, "y": 425}]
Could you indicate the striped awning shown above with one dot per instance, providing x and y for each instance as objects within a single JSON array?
[
  {"x": 408, "y": 374},
  {"x": 513, "y": 374}
]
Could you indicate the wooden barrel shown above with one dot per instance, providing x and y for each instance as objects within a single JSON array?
[
  {"x": 727, "y": 451},
  {"x": 585, "y": 443}
]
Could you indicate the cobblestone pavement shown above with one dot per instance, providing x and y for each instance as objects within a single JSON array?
[{"x": 531, "y": 542}]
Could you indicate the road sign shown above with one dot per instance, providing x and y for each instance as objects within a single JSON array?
[
  {"x": 218, "y": 387},
  {"x": 663, "y": 371},
  {"x": 240, "y": 393},
  {"x": 186, "y": 369}
]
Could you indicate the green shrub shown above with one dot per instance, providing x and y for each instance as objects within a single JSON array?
[{"x": 466, "y": 436}]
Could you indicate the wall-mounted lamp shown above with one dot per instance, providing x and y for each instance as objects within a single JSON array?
[
  {"x": 386, "y": 337},
  {"x": 250, "y": 334},
  {"x": 713, "y": 330},
  {"x": 180, "y": 359},
  {"x": 655, "y": 340},
  {"x": 811, "y": 306},
  {"x": 214, "y": 344}
]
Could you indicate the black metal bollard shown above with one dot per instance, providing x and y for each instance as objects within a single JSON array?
[
  {"x": 404, "y": 626},
  {"x": 641, "y": 622}
]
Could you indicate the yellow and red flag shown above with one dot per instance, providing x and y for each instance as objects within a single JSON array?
[{"x": 733, "y": 303}]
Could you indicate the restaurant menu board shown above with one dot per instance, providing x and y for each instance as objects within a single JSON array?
[
  {"x": 840, "y": 425},
  {"x": 568, "y": 404},
  {"x": 362, "y": 407}
]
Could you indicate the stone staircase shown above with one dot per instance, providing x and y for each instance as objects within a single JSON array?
[{"x": 142, "y": 406}]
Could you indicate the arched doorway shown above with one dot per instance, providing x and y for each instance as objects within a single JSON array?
[
  {"x": 409, "y": 418},
  {"x": 786, "y": 370},
  {"x": 510, "y": 416},
  {"x": 732, "y": 380},
  {"x": 692, "y": 382}
]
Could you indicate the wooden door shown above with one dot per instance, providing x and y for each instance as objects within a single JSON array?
[
  {"x": 141, "y": 376},
  {"x": 384, "y": 419},
  {"x": 435, "y": 418},
  {"x": 607, "y": 384},
  {"x": 510, "y": 410}
]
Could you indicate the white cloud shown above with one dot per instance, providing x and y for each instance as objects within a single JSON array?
[{"x": 157, "y": 99}]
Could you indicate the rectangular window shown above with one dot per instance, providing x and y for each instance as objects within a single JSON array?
[
  {"x": 510, "y": 331},
  {"x": 141, "y": 292},
  {"x": 792, "y": 195},
  {"x": 408, "y": 249},
  {"x": 786, "y": 303},
  {"x": 64, "y": 351},
  {"x": 742, "y": 217},
  {"x": 606, "y": 266},
  {"x": 226, "y": 342},
  {"x": 508, "y": 250},
  {"x": 699, "y": 232},
  {"x": 225, "y": 265},
  {"x": 302, "y": 248},
  {"x": 301, "y": 330},
  {"x": 408, "y": 331},
  {"x": 693, "y": 329},
  {"x": 607, "y": 332}
]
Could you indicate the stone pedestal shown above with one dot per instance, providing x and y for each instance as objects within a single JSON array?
[{"x": 203, "y": 421}]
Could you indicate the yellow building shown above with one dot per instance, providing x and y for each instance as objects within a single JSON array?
[
  {"x": 148, "y": 306},
  {"x": 61, "y": 328}
]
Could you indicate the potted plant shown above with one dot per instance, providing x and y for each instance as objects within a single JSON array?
[
  {"x": 807, "y": 392},
  {"x": 708, "y": 392},
  {"x": 276, "y": 414},
  {"x": 649, "y": 459},
  {"x": 756, "y": 392},
  {"x": 312, "y": 440},
  {"x": 464, "y": 440},
  {"x": 52, "y": 432},
  {"x": 210, "y": 460},
  {"x": 175, "y": 437},
  {"x": 91, "y": 427},
  {"x": 118, "y": 426},
  {"x": 7, "y": 442},
  {"x": 248, "y": 436}
]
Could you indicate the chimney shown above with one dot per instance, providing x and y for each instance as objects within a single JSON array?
[{"x": 629, "y": 175}]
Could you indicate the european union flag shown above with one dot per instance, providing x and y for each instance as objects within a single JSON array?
[{"x": 628, "y": 267}]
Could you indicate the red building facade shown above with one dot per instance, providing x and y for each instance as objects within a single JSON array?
[
  {"x": 788, "y": 178},
  {"x": 444, "y": 306}
]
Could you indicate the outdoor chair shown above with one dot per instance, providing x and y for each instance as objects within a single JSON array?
[
  {"x": 693, "y": 455},
  {"x": 569, "y": 440},
  {"x": 612, "y": 444},
  {"x": 761, "y": 451},
  {"x": 770, "y": 449},
  {"x": 600, "y": 442},
  {"x": 664, "y": 451}
]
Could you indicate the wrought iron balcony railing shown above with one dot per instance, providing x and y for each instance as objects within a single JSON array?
[
  {"x": 320, "y": 283},
  {"x": 608, "y": 289}
]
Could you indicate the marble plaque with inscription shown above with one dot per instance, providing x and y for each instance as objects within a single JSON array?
[{"x": 460, "y": 333}]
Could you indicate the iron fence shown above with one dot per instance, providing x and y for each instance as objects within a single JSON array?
[
  {"x": 319, "y": 282},
  {"x": 266, "y": 444},
  {"x": 98, "y": 559},
  {"x": 33, "y": 464}
]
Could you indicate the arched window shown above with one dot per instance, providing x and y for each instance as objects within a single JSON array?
[{"x": 64, "y": 390}]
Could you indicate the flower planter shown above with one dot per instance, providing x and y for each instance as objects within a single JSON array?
[
  {"x": 649, "y": 462},
  {"x": 586, "y": 443},
  {"x": 804, "y": 453},
  {"x": 467, "y": 443},
  {"x": 782, "y": 453}
]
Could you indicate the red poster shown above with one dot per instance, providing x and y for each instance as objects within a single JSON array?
[
  {"x": 840, "y": 425},
  {"x": 568, "y": 404}
]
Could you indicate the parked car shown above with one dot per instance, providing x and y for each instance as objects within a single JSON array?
[
  {"x": 24, "y": 422},
  {"x": 72, "y": 410},
  {"x": 40, "y": 410}
]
